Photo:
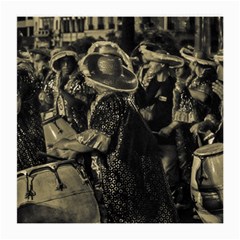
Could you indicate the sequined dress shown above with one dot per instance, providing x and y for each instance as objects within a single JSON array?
[
  {"x": 133, "y": 182},
  {"x": 30, "y": 139},
  {"x": 73, "y": 109}
]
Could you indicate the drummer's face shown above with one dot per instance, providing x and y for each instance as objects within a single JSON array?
[{"x": 67, "y": 65}]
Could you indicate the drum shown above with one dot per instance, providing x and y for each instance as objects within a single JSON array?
[
  {"x": 207, "y": 182},
  {"x": 56, "y": 128},
  {"x": 57, "y": 192}
]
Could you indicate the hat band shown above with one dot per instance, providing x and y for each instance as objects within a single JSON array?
[{"x": 92, "y": 82}]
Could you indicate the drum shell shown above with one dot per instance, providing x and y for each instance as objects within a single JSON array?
[
  {"x": 55, "y": 130},
  {"x": 74, "y": 204},
  {"x": 207, "y": 182}
]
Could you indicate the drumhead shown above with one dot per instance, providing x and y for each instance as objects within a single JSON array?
[{"x": 208, "y": 150}]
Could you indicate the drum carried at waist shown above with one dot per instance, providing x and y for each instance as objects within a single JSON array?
[
  {"x": 57, "y": 192},
  {"x": 56, "y": 128},
  {"x": 207, "y": 182}
]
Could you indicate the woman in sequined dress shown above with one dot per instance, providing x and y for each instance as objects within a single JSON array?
[
  {"x": 124, "y": 151},
  {"x": 30, "y": 138}
]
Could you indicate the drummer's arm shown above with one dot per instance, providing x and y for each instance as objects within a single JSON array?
[
  {"x": 87, "y": 141},
  {"x": 77, "y": 146},
  {"x": 74, "y": 145}
]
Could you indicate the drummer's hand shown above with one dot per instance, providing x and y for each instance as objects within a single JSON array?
[
  {"x": 196, "y": 128},
  {"x": 165, "y": 132},
  {"x": 62, "y": 144}
]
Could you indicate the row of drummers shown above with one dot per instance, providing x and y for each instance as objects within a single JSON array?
[{"x": 179, "y": 98}]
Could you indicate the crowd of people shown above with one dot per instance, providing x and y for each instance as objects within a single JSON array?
[{"x": 134, "y": 121}]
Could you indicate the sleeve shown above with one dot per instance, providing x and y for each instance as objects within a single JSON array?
[
  {"x": 80, "y": 92},
  {"x": 94, "y": 139},
  {"x": 104, "y": 123}
]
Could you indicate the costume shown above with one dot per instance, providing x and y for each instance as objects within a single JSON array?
[
  {"x": 66, "y": 96},
  {"x": 73, "y": 109},
  {"x": 134, "y": 186},
  {"x": 125, "y": 159},
  {"x": 30, "y": 138}
]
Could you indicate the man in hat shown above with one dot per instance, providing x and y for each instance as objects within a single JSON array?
[
  {"x": 155, "y": 100},
  {"x": 133, "y": 181}
]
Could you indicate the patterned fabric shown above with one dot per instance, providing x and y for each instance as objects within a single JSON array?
[
  {"x": 30, "y": 139},
  {"x": 94, "y": 139},
  {"x": 134, "y": 186},
  {"x": 73, "y": 105}
]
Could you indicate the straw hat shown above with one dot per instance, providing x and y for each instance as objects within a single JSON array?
[
  {"x": 108, "y": 71},
  {"x": 155, "y": 53},
  {"x": 59, "y": 54},
  {"x": 107, "y": 47},
  {"x": 200, "y": 57}
]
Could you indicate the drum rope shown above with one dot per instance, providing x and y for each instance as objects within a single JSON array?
[
  {"x": 58, "y": 128},
  {"x": 60, "y": 185},
  {"x": 30, "y": 192}
]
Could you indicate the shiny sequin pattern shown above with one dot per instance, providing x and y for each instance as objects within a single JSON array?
[
  {"x": 74, "y": 107},
  {"x": 30, "y": 139},
  {"x": 134, "y": 186}
]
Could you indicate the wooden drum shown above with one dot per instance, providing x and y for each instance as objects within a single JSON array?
[
  {"x": 57, "y": 192},
  {"x": 207, "y": 182},
  {"x": 55, "y": 129}
]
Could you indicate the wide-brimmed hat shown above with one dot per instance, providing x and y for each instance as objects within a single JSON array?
[
  {"x": 157, "y": 55},
  {"x": 109, "y": 72},
  {"x": 41, "y": 51},
  {"x": 59, "y": 54},
  {"x": 110, "y": 48},
  {"x": 200, "y": 57}
]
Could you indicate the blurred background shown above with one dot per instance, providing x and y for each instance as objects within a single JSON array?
[{"x": 175, "y": 32}]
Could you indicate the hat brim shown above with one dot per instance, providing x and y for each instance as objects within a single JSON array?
[
  {"x": 189, "y": 55},
  {"x": 55, "y": 59},
  {"x": 41, "y": 52},
  {"x": 126, "y": 82},
  {"x": 158, "y": 55},
  {"x": 171, "y": 60}
]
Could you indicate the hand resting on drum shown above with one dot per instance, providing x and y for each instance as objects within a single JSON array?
[{"x": 74, "y": 145}]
